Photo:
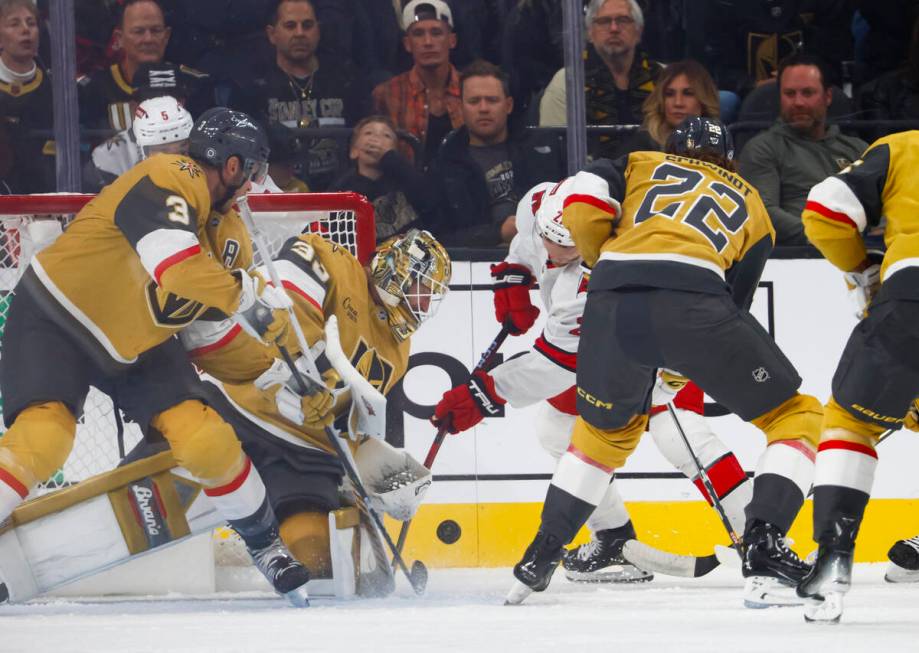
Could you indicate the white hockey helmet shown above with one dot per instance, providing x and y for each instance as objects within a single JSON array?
[
  {"x": 549, "y": 214},
  {"x": 159, "y": 121}
]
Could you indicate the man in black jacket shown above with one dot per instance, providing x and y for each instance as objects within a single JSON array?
[
  {"x": 484, "y": 168},
  {"x": 299, "y": 90}
]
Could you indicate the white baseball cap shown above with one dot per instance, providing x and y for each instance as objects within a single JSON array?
[{"x": 426, "y": 10}]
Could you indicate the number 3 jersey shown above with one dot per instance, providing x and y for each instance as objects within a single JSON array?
[
  {"x": 685, "y": 224},
  {"x": 547, "y": 371},
  {"x": 136, "y": 265}
]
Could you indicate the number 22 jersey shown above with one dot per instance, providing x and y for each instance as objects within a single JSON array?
[{"x": 685, "y": 224}]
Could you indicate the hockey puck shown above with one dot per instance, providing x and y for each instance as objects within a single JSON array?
[{"x": 448, "y": 531}]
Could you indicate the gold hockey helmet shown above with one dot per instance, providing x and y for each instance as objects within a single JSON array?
[{"x": 411, "y": 273}]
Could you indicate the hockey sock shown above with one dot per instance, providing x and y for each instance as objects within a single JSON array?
[
  {"x": 611, "y": 513},
  {"x": 577, "y": 487},
  {"x": 842, "y": 486},
  {"x": 243, "y": 502},
  {"x": 732, "y": 487},
  {"x": 783, "y": 477},
  {"x": 12, "y": 493}
]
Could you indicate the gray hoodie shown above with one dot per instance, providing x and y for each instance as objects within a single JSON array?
[{"x": 783, "y": 166}]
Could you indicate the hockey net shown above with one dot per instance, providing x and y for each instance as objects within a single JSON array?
[{"x": 30, "y": 222}]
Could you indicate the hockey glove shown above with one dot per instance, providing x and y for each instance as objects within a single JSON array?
[
  {"x": 912, "y": 416},
  {"x": 863, "y": 285},
  {"x": 513, "y": 307},
  {"x": 465, "y": 405},
  {"x": 292, "y": 402},
  {"x": 262, "y": 308},
  {"x": 667, "y": 386}
]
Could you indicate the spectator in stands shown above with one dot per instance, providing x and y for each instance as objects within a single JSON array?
[
  {"x": 893, "y": 95},
  {"x": 402, "y": 197},
  {"x": 25, "y": 100},
  {"x": 484, "y": 168},
  {"x": 683, "y": 89},
  {"x": 799, "y": 150},
  {"x": 424, "y": 101},
  {"x": 142, "y": 35},
  {"x": 618, "y": 77},
  {"x": 297, "y": 89},
  {"x": 284, "y": 158}
]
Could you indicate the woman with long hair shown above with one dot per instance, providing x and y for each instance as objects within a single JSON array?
[{"x": 683, "y": 89}]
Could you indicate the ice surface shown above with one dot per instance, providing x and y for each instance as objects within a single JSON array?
[{"x": 463, "y": 611}]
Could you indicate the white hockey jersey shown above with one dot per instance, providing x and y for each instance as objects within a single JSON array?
[{"x": 547, "y": 371}]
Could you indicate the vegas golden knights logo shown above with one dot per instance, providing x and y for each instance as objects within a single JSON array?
[
  {"x": 368, "y": 363},
  {"x": 169, "y": 309},
  {"x": 765, "y": 51}
]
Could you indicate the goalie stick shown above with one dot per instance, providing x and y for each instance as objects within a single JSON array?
[{"x": 442, "y": 431}]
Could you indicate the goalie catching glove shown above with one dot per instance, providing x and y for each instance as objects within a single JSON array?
[
  {"x": 513, "y": 307},
  {"x": 397, "y": 482},
  {"x": 466, "y": 405},
  {"x": 262, "y": 311},
  {"x": 293, "y": 403},
  {"x": 667, "y": 385}
]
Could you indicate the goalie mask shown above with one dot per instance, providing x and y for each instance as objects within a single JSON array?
[
  {"x": 411, "y": 274},
  {"x": 549, "y": 214},
  {"x": 161, "y": 124}
]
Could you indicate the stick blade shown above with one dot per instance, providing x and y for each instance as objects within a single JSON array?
[{"x": 649, "y": 558}]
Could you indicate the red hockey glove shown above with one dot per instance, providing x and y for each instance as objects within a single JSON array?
[
  {"x": 513, "y": 307},
  {"x": 465, "y": 405}
]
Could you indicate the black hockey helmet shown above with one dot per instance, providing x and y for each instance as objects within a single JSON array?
[
  {"x": 697, "y": 133},
  {"x": 220, "y": 133}
]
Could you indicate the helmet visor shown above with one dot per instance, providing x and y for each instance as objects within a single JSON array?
[{"x": 255, "y": 171}]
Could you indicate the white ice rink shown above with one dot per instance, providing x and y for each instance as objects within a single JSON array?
[{"x": 463, "y": 611}]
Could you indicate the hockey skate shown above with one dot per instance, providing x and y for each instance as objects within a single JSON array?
[
  {"x": 904, "y": 561},
  {"x": 770, "y": 568},
  {"x": 535, "y": 569},
  {"x": 600, "y": 561},
  {"x": 286, "y": 574},
  {"x": 824, "y": 587}
]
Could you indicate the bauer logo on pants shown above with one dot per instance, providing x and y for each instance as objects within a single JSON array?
[{"x": 149, "y": 512}]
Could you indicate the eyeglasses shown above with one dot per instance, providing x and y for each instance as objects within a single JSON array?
[{"x": 606, "y": 22}]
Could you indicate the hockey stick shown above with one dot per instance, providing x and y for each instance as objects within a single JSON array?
[
  {"x": 442, "y": 430},
  {"x": 706, "y": 482}
]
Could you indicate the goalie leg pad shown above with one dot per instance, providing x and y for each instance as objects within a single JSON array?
[
  {"x": 202, "y": 442},
  {"x": 306, "y": 534},
  {"x": 36, "y": 445}
]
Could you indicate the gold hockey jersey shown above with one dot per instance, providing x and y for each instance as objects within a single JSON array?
[
  {"x": 879, "y": 185},
  {"x": 685, "y": 224},
  {"x": 136, "y": 265},
  {"x": 323, "y": 279}
]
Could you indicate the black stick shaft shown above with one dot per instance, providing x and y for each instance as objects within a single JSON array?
[{"x": 707, "y": 482}]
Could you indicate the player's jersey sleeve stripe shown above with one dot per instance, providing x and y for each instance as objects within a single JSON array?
[
  {"x": 147, "y": 208},
  {"x": 289, "y": 285},
  {"x": 833, "y": 199},
  {"x": 595, "y": 202},
  {"x": 294, "y": 278},
  {"x": 159, "y": 251},
  {"x": 226, "y": 339},
  {"x": 562, "y": 358},
  {"x": 13, "y": 483}
]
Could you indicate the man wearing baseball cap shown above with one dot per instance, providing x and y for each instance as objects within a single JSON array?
[{"x": 425, "y": 101}]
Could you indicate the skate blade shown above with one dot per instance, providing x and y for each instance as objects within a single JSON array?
[
  {"x": 518, "y": 593},
  {"x": 299, "y": 598},
  {"x": 827, "y": 611},
  {"x": 897, "y": 574},
  {"x": 767, "y": 592},
  {"x": 622, "y": 574}
]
